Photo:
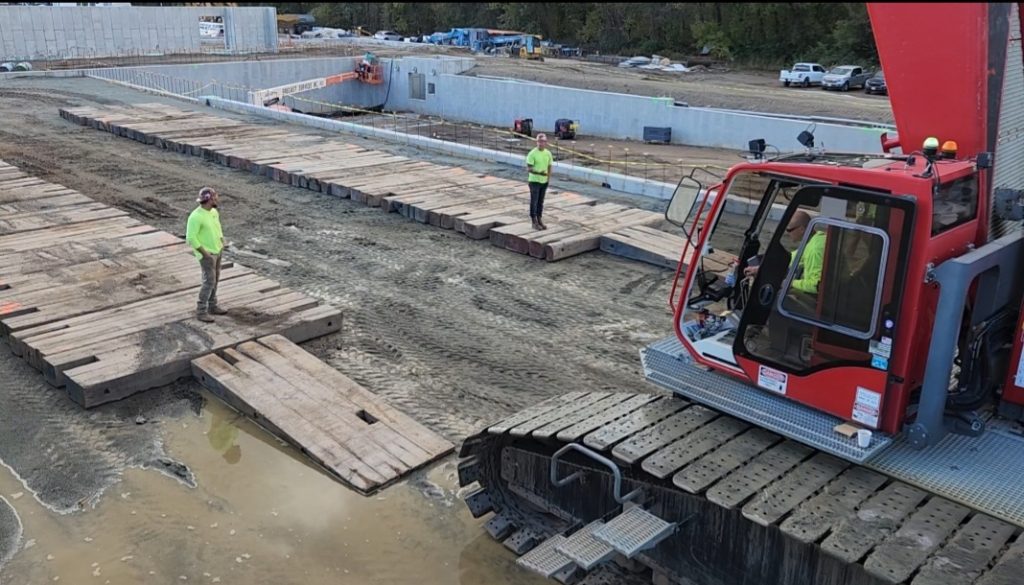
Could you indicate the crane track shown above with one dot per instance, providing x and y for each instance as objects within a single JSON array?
[{"x": 753, "y": 507}]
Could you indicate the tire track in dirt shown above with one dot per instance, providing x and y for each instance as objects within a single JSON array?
[{"x": 510, "y": 344}]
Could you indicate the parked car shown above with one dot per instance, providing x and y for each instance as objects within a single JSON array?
[
  {"x": 387, "y": 35},
  {"x": 876, "y": 84},
  {"x": 805, "y": 74},
  {"x": 845, "y": 77}
]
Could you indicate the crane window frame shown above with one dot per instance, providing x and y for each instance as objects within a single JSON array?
[
  {"x": 822, "y": 224},
  {"x": 803, "y": 346}
]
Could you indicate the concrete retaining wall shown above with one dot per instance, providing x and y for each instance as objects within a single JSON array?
[
  {"x": 61, "y": 32},
  {"x": 229, "y": 80},
  {"x": 498, "y": 102}
]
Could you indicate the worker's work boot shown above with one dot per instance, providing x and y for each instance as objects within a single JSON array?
[
  {"x": 536, "y": 224},
  {"x": 218, "y": 311},
  {"x": 204, "y": 317},
  {"x": 540, "y": 224}
]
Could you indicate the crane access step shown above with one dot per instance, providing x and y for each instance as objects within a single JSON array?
[
  {"x": 629, "y": 533},
  {"x": 667, "y": 364},
  {"x": 547, "y": 561},
  {"x": 634, "y": 531},
  {"x": 585, "y": 550}
]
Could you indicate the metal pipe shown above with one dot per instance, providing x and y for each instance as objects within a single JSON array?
[{"x": 616, "y": 472}]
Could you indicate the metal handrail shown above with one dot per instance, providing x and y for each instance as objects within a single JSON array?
[{"x": 616, "y": 472}]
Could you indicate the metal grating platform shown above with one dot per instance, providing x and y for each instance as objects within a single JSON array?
[
  {"x": 634, "y": 531},
  {"x": 544, "y": 559},
  {"x": 981, "y": 472},
  {"x": 666, "y": 364},
  {"x": 584, "y": 549}
]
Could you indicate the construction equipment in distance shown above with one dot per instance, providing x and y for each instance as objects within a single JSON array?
[
  {"x": 529, "y": 47},
  {"x": 295, "y": 24},
  {"x": 566, "y": 129},
  {"x": 523, "y": 126},
  {"x": 518, "y": 45},
  {"x": 367, "y": 71},
  {"x": 846, "y": 371}
]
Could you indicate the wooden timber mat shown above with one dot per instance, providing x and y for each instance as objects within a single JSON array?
[
  {"x": 450, "y": 197},
  {"x": 104, "y": 305},
  {"x": 343, "y": 427}
]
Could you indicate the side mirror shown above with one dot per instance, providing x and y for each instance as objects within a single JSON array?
[{"x": 683, "y": 200}]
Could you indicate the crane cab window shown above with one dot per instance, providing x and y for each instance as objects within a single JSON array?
[
  {"x": 955, "y": 203},
  {"x": 743, "y": 227},
  {"x": 834, "y": 277},
  {"x": 739, "y": 233},
  {"x": 829, "y": 281}
]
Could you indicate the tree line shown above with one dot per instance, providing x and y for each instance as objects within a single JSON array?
[{"x": 753, "y": 34}]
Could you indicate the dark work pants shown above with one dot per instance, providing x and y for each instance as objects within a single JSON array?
[
  {"x": 537, "y": 192},
  {"x": 211, "y": 277}
]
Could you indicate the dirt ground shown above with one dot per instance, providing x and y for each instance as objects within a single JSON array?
[{"x": 456, "y": 333}]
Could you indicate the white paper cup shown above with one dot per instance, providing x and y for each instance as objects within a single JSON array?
[{"x": 863, "y": 438}]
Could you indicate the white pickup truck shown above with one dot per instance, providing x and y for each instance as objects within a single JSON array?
[{"x": 803, "y": 74}]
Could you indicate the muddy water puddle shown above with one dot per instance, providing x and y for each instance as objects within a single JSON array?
[{"x": 260, "y": 515}]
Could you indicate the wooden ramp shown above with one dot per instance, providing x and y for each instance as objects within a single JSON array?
[
  {"x": 645, "y": 244},
  {"x": 342, "y": 426},
  {"x": 104, "y": 305},
  {"x": 664, "y": 249},
  {"x": 448, "y": 197}
]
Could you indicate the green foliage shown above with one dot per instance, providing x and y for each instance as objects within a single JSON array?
[
  {"x": 710, "y": 35},
  {"x": 849, "y": 41},
  {"x": 769, "y": 34}
]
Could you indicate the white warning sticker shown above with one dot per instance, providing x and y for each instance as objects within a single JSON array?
[
  {"x": 867, "y": 406},
  {"x": 773, "y": 380},
  {"x": 880, "y": 348}
]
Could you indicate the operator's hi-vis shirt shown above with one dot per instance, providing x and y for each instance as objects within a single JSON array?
[{"x": 811, "y": 263}]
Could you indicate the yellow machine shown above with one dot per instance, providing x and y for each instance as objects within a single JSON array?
[{"x": 530, "y": 48}]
